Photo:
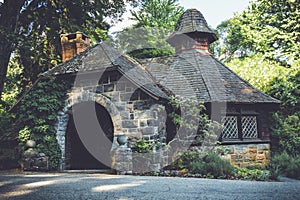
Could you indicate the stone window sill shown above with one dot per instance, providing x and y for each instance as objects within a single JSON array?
[{"x": 245, "y": 141}]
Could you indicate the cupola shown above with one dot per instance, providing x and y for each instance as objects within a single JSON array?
[{"x": 192, "y": 32}]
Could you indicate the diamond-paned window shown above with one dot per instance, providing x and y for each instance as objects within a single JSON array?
[
  {"x": 230, "y": 127},
  {"x": 249, "y": 127}
]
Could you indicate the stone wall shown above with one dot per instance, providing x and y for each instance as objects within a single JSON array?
[
  {"x": 61, "y": 128},
  {"x": 134, "y": 113},
  {"x": 244, "y": 155}
]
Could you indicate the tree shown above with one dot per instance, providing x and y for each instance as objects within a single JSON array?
[
  {"x": 157, "y": 13},
  {"x": 155, "y": 21},
  {"x": 264, "y": 41},
  {"x": 9, "y": 17},
  {"x": 234, "y": 41},
  {"x": 270, "y": 27},
  {"x": 31, "y": 30},
  {"x": 286, "y": 129}
]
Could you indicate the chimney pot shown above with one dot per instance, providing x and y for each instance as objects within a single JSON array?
[{"x": 72, "y": 44}]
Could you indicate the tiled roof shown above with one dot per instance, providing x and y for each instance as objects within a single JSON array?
[
  {"x": 192, "y": 21},
  {"x": 192, "y": 74},
  {"x": 101, "y": 57}
]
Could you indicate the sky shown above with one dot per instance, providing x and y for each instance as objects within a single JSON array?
[{"x": 214, "y": 11}]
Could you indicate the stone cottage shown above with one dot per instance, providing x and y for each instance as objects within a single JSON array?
[
  {"x": 193, "y": 72},
  {"x": 115, "y": 96}
]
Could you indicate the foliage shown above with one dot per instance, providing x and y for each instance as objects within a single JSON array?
[
  {"x": 5, "y": 119},
  {"x": 208, "y": 165},
  {"x": 212, "y": 165},
  {"x": 31, "y": 30},
  {"x": 24, "y": 135},
  {"x": 142, "y": 146},
  {"x": 258, "y": 71},
  {"x": 288, "y": 165},
  {"x": 155, "y": 20},
  {"x": 193, "y": 125},
  {"x": 293, "y": 169},
  {"x": 233, "y": 41},
  {"x": 286, "y": 126},
  {"x": 267, "y": 27},
  {"x": 287, "y": 90},
  {"x": 157, "y": 13},
  {"x": 143, "y": 42},
  {"x": 37, "y": 112},
  {"x": 12, "y": 87},
  {"x": 252, "y": 174},
  {"x": 274, "y": 171},
  {"x": 287, "y": 132}
]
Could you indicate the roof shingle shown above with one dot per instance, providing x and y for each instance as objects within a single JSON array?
[
  {"x": 101, "y": 57},
  {"x": 192, "y": 21},
  {"x": 192, "y": 74}
]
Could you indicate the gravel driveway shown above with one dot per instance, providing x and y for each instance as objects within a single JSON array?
[{"x": 103, "y": 186}]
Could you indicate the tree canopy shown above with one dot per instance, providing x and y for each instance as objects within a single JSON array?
[
  {"x": 155, "y": 20},
  {"x": 268, "y": 27},
  {"x": 30, "y": 29},
  {"x": 262, "y": 44}
]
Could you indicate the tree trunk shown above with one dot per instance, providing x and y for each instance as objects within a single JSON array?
[{"x": 9, "y": 16}]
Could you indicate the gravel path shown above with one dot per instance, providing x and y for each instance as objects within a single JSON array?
[{"x": 75, "y": 186}]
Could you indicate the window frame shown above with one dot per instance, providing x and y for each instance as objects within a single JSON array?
[{"x": 239, "y": 114}]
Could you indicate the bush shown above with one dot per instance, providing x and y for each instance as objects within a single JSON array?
[
  {"x": 209, "y": 165},
  {"x": 252, "y": 174},
  {"x": 286, "y": 125},
  {"x": 5, "y": 119},
  {"x": 274, "y": 171},
  {"x": 287, "y": 132},
  {"x": 142, "y": 146},
  {"x": 287, "y": 164},
  {"x": 281, "y": 160},
  {"x": 37, "y": 113},
  {"x": 293, "y": 170}
]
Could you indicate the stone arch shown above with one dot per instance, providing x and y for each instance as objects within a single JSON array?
[
  {"x": 103, "y": 101},
  {"x": 89, "y": 137},
  {"x": 64, "y": 118}
]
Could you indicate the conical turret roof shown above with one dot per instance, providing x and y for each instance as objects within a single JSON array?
[{"x": 192, "y": 21}]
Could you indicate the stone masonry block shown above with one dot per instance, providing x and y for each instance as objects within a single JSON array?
[
  {"x": 124, "y": 114},
  {"x": 147, "y": 130},
  {"x": 129, "y": 123}
]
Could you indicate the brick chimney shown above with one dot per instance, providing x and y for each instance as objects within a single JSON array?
[{"x": 72, "y": 44}]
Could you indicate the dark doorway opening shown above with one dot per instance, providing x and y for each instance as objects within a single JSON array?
[{"x": 81, "y": 155}]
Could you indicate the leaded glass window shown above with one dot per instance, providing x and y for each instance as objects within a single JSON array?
[
  {"x": 230, "y": 127},
  {"x": 239, "y": 126},
  {"x": 249, "y": 127}
]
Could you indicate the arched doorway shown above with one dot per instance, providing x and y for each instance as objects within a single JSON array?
[{"x": 78, "y": 155}]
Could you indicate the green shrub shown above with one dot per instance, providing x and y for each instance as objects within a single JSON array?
[
  {"x": 216, "y": 166},
  {"x": 142, "y": 146},
  {"x": 274, "y": 171},
  {"x": 293, "y": 170},
  {"x": 281, "y": 160},
  {"x": 286, "y": 133},
  {"x": 5, "y": 119},
  {"x": 288, "y": 165},
  {"x": 37, "y": 113},
  {"x": 185, "y": 159},
  {"x": 252, "y": 174},
  {"x": 209, "y": 165},
  {"x": 286, "y": 125}
]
